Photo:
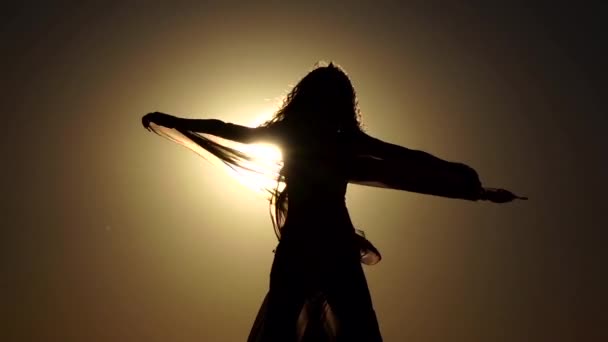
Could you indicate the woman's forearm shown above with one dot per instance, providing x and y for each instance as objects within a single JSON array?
[
  {"x": 452, "y": 180},
  {"x": 208, "y": 126},
  {"x": 223, "y": 129}
]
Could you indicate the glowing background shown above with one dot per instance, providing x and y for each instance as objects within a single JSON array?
[{"x": 114, "y": 234}]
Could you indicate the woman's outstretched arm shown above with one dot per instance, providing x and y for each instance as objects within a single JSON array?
[
  {"x": 215, "y": 127},
  {"x": 392, "y": 166}
]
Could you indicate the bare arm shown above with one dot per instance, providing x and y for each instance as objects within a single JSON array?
[
  {"x": 224, "y": 130},
  {"x": 215, "y": 127}
]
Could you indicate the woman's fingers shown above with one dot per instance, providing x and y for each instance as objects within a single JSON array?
[
  {"x": 158, "y": 118},
  {"x": 145, "y": 121},
  {"x": 499, "y": 195},
  {"x": 503, "y": 196}
]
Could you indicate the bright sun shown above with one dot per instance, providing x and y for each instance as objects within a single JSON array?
[
  {"x": 263, "y": 150},
  {"x": 266, "y": 164}
]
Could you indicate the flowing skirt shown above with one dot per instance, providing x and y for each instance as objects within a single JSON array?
[{"x": 318, "y": 292}]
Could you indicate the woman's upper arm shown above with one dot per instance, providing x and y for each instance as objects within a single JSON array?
[{"x": 376, "y": 148}]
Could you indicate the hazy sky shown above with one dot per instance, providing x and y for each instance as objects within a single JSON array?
[{"x": 112, "y": 233}]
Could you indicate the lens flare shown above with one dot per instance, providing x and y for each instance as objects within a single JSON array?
[
  {"x": 264, "y": 170},
  {"x": 266, "y": 162}
]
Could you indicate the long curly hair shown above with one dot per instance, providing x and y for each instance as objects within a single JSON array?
[
  {"x": 323, "y": 101},
  {"x": 325, "y": 93}
]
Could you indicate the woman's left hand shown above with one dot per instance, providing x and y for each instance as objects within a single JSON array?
[{"x": 159, "y": 118}]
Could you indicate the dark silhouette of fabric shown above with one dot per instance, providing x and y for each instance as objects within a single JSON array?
[{"x": 318, "y": 291}]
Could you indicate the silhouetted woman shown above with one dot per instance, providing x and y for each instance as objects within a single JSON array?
[{"x": 318, "y": 290}]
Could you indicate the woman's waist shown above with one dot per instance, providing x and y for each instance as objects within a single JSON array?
[
  {"x": 318, "y": 217},
  {"x": 327, "y": 243},
  {"x": 320, "y": 243},
  {"x": 317, "y": 227}
]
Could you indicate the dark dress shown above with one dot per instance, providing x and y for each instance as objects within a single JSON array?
[{"x": 318, "y": 290}]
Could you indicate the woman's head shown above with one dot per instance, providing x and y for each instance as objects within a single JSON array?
[{"x": 324, "y": 99}]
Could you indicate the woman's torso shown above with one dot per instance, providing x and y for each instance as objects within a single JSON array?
[{"x": 316, "y": 173}]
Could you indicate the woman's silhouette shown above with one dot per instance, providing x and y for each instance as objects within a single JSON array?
[{"x": 318, "y": 290}]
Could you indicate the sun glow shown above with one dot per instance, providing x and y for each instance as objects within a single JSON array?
[
  {"x": 263, "y": 170},
  {"x": 265, "y": 151},
  {"x": 265, "y": 166},
  {"x": 259, "y": 171}
]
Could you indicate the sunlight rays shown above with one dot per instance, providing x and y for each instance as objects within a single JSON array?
[{"x": 266, "y": 162}]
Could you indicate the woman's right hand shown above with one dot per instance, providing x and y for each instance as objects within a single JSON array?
[
  {"x": 500, "y": 195},
  {"x": 159, "y": 118}
]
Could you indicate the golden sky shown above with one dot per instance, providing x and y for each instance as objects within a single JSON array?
[{"x": 115, "y": 234}]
